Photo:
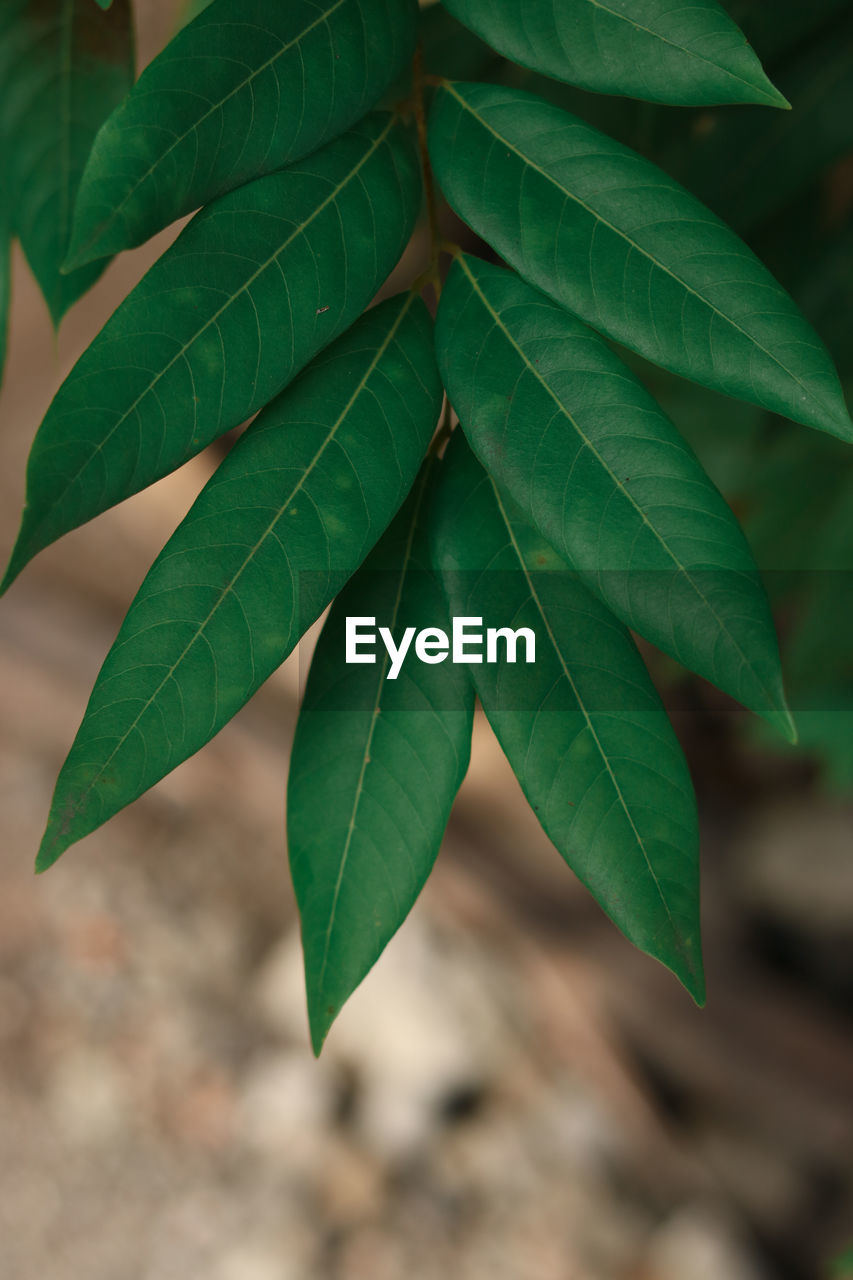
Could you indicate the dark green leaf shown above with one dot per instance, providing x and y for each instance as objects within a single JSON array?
[
  {"x": 691, "y": 53},
  {"x": 257, "y": 283},
  {"x": 632, "y": 122},
  {"x": 607, "y": 234},
  {"x": 375, "y": 767},
  {"x": 277, "y": 531},
  {"x": 748, "y": 164},
  {"x": 241, "y": 91},
  {"x": 582, "y": 726},
  {"x": 721, "y": 432},
  {"x": 590, "y": 458},
  {"x": 63, "y": 68}
]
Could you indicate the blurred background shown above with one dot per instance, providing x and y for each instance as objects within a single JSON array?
[{"x": 514, "y": 1092}]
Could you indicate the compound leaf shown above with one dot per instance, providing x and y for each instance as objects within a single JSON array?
[
  {"x": 608, "y": 235},
  {"x": 581, "y": 726},
  {"x": 257, "y": 283},
  {"x": 381, "y": 760},
  {"x": 691, "y": 53},
  {"x": 241, "y": 91},
  {"x": 63, "y": 68},
  {"x": 565, "y": 428},
  {"x": 276, "y": 532}
]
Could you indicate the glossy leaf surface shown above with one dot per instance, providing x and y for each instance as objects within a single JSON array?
[
  {"x": 608, "y": 235},
  {"x": 690, "y": 53},
  {"x": 285, "y": 520},
  {"x": 241, "y": 91},
  {"x": 376, "y": 765},
  {"x": 566, "y": 429},
  {"x": 582, "y": 727},
  {"x": 257, "y": 283},
  {"x": 63, "y": 68}
]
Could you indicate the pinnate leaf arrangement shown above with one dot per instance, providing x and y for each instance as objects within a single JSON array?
[{"x": 310, "y": 138}]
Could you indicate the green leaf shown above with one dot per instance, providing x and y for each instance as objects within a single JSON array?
[
  {"x": 691, "y": 53},
  {"x": 594, "y": 463},
  {"x": 63, "y": 67},
  {"x": 381, "y": 760},
  {"x": 631, "y": 122},
  {"x": 608, "y": 235},
  {"x": 257, "y": 283},
  {"x": 747, "y": 164},
  {"x": 203, "y": 120},
  {"x": 285, "y": 520},
  {"x": 582, "y": 726},
  {"x": 105, "y": 4}
]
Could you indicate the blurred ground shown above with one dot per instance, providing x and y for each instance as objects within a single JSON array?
[{"x": 514, "y": 1092}]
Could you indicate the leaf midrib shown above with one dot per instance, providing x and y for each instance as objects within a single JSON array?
[
  {"x": 637, "y": 248},
  {"x": 217, "y": 106},
  {"x": 623, "y": 17},
  {"x": 229, "y": 586},
  {"x": 587, "y": 717},
  {"x": 359, "y": 789},
  {"x": 565, "y": 412}
]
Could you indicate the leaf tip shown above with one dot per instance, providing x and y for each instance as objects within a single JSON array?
[
  {"x": 77, "y": 256},
  {"x": 840, "y": 424},
  {"x": 691, "y": 971},
  {"x": 9, "y": 575},
  {"x": 792, "y": 733},
  {"x": 777, "y": 99},
  {"x": 783, "y": 722},
  {"x": 85, "y": 246},
  {"x": 320, "y": 1021},
  {"x": 18, "y": 560},
  {"x": 50, "y": 851}
]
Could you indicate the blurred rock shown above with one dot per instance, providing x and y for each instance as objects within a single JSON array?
[
  {"x": 421, "y": 1032},
  {"x": 89, "y": 1098},
  {"x": 257, "y": 1262},
  {"x": 286, "y": 1106},
  {"x": 700, "y": 1242}
]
